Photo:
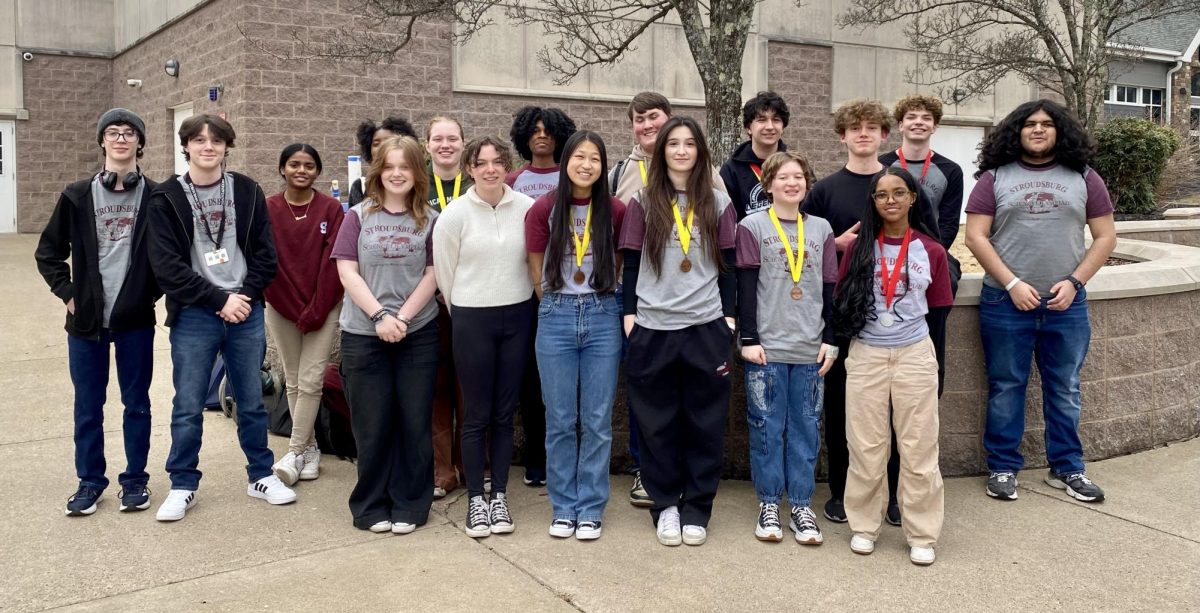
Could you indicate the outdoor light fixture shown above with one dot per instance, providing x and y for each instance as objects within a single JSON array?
[
  {"x": 172, "y": 68},
  {"x": 958, "y": 96}
]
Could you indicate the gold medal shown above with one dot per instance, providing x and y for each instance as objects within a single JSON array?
[
  {"x": 579, "y": 277},
  {"x": 795, "y": 259},
  {"x": 685, "y": 265},
  {"x": 685, "y": 233},
  {"x": 797, "y": 293}
]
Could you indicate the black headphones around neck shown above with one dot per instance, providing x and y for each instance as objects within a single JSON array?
[{"x": 108, "y": 179}]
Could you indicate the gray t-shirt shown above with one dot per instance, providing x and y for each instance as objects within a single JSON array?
[
  {"x": 1039, "y": 213},
  {"x": 789, "y": 330},
  {"x": 209, "y": 215},
  {"x": 392, "y": 255},
  {"x": 116, "y": 213},
  {"x": 924, "y": 282},
  {"x": 674, "y": 299}
]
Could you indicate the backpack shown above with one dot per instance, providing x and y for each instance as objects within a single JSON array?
[
  {"x": 616, "y": 175},
  {"x": 333, "y": 430}
]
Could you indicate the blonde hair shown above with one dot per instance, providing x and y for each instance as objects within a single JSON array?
[
  {"x": 414, "y": 156},
  {"x": 771, "y": 167}
]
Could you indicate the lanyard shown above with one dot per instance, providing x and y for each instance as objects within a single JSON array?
[
  {"x": 796, "y": 258},
  {"x": 437, "y": 181},
  {"x": 581, "y": 244},
  {"x": 203, "y": 218},
  {"x": 888, "y": 283},
  {"x": 685, "y": 233},
  {"x": 924, "y": 167},
  {"x": 757, "y": 171},
  {"x": 642, "y": 168}
]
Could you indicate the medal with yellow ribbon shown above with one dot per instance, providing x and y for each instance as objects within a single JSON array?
[
  {"x": 581, "y": 245},
  {"x": 685, "y": 233},
  {"x": 795, "y": 258},
  {"x": 437, "y": 181}
]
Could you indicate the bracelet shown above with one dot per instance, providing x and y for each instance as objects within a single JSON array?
[
  {"x": 1012, "y": 284},
  {"x": 1076, "y": 282},
  {"x": 378, "y": 316},
  {"x": 406, "y": 321}
]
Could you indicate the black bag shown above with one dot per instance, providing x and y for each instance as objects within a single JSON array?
[
  {"x": 279, "y": 415},
  {"x": 333, "y": 431}
]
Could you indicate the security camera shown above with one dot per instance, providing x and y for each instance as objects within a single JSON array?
[
  {"x": 133, "y": 82},
  {"x": 27, "y": 56}
]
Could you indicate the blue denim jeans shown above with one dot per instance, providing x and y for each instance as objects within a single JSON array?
[
  {"x": 1058, "y": 341},
  {"x": 783, "y": 412},
  {"x": 579, "y": 352},
  {"x": 89, "y": 360},
  {"x": 196, "y": 338}
]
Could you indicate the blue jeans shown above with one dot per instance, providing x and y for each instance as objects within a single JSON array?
[
  {"x": 783, "y": 411},
  {"x": 89, "y": 361},
  {"x": 196, "y": 338},
  {"x": 579, "y": 352},
  {"x": 1058, "y": 341}
]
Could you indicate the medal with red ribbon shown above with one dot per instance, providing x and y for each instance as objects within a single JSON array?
[{"x": 888, "y": 283}]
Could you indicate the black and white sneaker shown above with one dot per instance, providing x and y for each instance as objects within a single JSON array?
[
  {"x": 135, "y": 497},
  {"x": 768, "y": 528},
  {"x": 562, "y": 528},
  {"x": 893, "y": 513},
  {"x": 271, "y": 489},
  {"x": 1078, "y": 486},
  {"x": 478, "y": 525},
  {"x": 83, "y": 501},
  {"x": 176, "y": 505},
  {"x": 835, "y": 511},
  {"x": 501, "y": 521},
  {"x": 1002, "y": 485},
  {"x": 804, "y": 524},
  {"x": 588, "y": 531}
]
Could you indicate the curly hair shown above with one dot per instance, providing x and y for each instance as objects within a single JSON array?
[
  {"x": 854, "y": 301},
  {"x": 658, "y": 197},
  {"x": 1073, "y": 146},
  {"x": 918, "y": 102},
  {"x": 772, "y": 164},
  {"x": 857, "y": 111},
  {"x": 366, "y": 130},
  {"x": 763, "y": 102},
  {"x": 525, "y": 121},
  {"x": 414, "y": 157},
  {"x": 604, "y": 263}
]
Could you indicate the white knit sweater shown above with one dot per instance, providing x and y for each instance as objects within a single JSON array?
[{"x": 479, "y": 255}]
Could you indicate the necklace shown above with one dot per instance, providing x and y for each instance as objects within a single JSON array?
[{"x": 293, "y": 206}]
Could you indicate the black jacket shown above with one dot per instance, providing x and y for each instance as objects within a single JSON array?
[
  {"x": 744, "y": 187},
  {"x": 171, "y": 234},
  {"x": 71, "y": 232}
]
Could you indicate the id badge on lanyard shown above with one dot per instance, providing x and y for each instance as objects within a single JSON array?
[{"x": 216, "y": 257}]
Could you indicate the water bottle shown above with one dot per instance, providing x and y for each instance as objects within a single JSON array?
[{"x": 336, "y": 192}]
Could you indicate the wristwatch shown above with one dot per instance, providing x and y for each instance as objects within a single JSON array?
[{"x": 1076, "y": 282}]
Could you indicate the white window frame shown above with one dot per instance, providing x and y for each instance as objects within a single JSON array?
[{"x": 1141, "y": 93}]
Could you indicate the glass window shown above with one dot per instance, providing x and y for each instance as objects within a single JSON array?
[{"x": 1152, "y": 96}]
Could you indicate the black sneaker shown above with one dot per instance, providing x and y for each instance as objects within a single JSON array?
[
  {"x": 893, "y": 513},
  {"x": 84, "y": 501},
  {"x": 768, "y": 528},
  {"x": 135, "y": 497},
  {"x": 835, "y": 511},
  {"x": 1078, "y": 486},
  {"x": 500, "y": 518},
  {"x": 478, "y": 525},
  {"x": 535, "y": 477},
  {"x": 638, "y": 496},
  {"x": 1002, "y": 485}
]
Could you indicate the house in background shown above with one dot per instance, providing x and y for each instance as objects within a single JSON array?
[{"x": 1163, "y": 83}]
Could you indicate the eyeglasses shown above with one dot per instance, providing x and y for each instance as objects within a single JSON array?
[
  {"x": 113, "y": 135},
  {"x": 897, "y": 195}
]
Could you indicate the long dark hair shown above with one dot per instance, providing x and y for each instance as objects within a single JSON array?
[
  {"x": 604, "y": 264},
  {"x": 854, "y": 302},
  {"x": 295, "y": 148},
  {"x": 659, "y": 193},
  {"x": 1073, "y": 146}
]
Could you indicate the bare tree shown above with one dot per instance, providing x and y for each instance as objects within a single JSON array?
[
  {"x": 580, "y": 33},
  {"x": 1061, "y": 45}
]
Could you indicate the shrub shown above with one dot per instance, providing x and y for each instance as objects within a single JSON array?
[{"x": 1131, "y": 156}]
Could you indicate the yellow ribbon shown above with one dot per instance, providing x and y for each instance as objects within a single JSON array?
[
  {"x": 685, "y": 233},
  {"x": 582, "y": 243},
  {"x": 795, "y": 259},
  {"x": 437, "y": 181},
  {"x": 642, "y": 167}
]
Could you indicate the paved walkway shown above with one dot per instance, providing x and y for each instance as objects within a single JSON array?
[{"x": 1138, "y": 551}]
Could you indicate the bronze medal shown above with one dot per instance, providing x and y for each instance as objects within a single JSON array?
[
  {"x": 579, "y": 277},
  {"x": 685, "y": 265},
  {"x": 797, "y": 293}
]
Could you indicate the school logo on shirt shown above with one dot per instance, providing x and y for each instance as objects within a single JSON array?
[
  {"x": 757, "y": 200},
  {"x": 118, "y": 229},
  {"x": 393, "y": 246},
  {"x": 1040, "y": 203}
]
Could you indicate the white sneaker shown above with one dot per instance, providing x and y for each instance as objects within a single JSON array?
[
  {"x": 668, "y": 527},
  {"x": 922, "y": 556},
  {"x": 380, "y": 527},
  {"x": 288, "y": 467},
  {"x": 694, "y": 535},
  {"x": 312, "y": 463},
  {"x": 272, "y": 490},
  {"x": 401, "y": 527},
  {"x": 588, "y": 531},
  {"x": 861, "y": 545},
  {"x": 562, "y": 528},
  {"x": 176, "y": 505}
]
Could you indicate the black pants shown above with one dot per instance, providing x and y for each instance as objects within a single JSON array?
[
  {"x": 533, "y": 409},
  {"x": 491, "y": 347},
  {"x": 389, "y": 387},
  {"x": 679, "y": 385}
]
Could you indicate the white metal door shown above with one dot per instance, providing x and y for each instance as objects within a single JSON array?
[
  {"x": 179, "y": 113},
  {"x": 961, "y": 144},
  {"x": 8, "y": 171}
]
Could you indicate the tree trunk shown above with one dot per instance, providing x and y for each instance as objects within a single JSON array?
[{"x": 723, "y": 102}]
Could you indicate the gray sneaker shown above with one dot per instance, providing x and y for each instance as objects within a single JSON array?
[
  {"x": 1078, "y": 486},
  {"x": 1002, "y": 485}
]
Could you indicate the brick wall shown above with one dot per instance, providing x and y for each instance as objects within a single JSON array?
[{"x": 65, "y": 97}]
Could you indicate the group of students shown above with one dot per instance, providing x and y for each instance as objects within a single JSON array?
[{"x": 463, "y": 288}]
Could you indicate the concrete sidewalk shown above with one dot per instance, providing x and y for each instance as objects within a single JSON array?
[{"x": 1140, "y": 550}]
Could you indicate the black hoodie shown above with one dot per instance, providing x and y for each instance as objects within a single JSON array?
[
  {"x": 744, "y": 187},
  {"x": 71, "y": 232},
  {"x": 172, "y": 231}
]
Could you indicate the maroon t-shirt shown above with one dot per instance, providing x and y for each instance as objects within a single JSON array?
[{"x": 537, "y": 238}]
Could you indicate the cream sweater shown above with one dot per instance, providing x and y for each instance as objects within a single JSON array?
[{"x": 479, "y": 255}]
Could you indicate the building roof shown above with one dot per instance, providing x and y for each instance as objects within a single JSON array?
[{"x": 1175, "y": 33}]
